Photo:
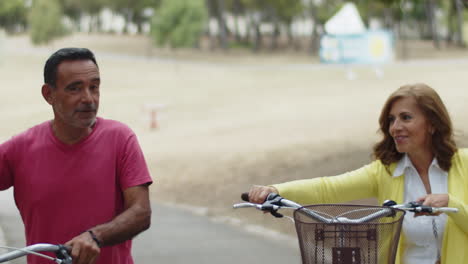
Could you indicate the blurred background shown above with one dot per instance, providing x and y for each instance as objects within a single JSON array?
[
  {"x": 236, "y": 25},
  {"x": 223, "y": 94}
]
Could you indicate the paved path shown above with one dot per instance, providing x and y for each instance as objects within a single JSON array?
[{"x": 177, "y": 237}]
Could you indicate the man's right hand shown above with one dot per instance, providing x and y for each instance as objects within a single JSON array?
[{"x": 258, "y": 193}]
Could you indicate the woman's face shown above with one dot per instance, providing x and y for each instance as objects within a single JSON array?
[{"x": 409, "y": 127}]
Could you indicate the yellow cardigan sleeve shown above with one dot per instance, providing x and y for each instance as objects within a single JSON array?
[
  {"x": 458, "y": 189},
  {"x": 359, "y": 184},
  {"x": 460, "y": 218}
]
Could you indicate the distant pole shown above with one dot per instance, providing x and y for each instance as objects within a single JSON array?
[
  {"x": 153, "y": 119},
  {"x": 154, "y": 111}
]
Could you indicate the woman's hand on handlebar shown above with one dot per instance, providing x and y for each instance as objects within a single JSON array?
[
  {"x": 258, "y": 193},
  {"x": 433, "y": 200}
]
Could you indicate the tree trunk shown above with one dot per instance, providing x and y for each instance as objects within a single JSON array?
[
  {"x": 388, "y": 18},
  {"x": 99, "y": 23},
  {"x": 276, "y": 30},
  {"x": 139, "y": 25},
  {"x": 129, "y": 19},
  {"x": 211, "y": 7},
  {"x": 291, "y": 41},
  {"x": 403, "y": 25},
  {"x": 459, "y": 10},
  {"x": 450, "y": 25},
  {"x": 237, "y": 12},
  {"x": 222, "y": 25},
  {"x": 236, "y": 28},
  {"x": 431, "y": 19},
  {"x": 257, "y": 38},
  {"x": 93, "y": 23},
  {"x": 314, "y": 37}
]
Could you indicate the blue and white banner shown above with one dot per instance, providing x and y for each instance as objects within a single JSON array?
[{"x": 372, "y": 47}]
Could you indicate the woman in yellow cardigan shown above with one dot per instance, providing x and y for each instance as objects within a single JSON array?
[{"x": 417, "y": 160}]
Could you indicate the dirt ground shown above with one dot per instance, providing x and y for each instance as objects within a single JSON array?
[{"x": 228, "y": 121}]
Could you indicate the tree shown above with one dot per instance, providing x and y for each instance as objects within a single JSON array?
[
  {"x": 45, "y": 21},
  {"x": 179, "y": 23},
  {"x": 13, "y": 15},
  {"x": 284, "y": 12},
  {"x": 216, "y": 9},
  {"x": 388, "y": 10},
  {"x": 320, "y": 12},
  {"x": 255, "y": 12},
  {"x": 455, "y": 23},
  {"x": 75, "y": 9},
  {"x": 133, "y": 11},
  {"x": 432, "y": 22},
  {"x": 236, "y": 8}
]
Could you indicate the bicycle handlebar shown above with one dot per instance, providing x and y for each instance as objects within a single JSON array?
[
  {"x": 61, "y": 251},
  {"x": 274, "y": 202}
]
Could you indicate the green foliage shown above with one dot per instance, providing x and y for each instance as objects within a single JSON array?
[
  {"x": 287, "y": 9},
  {"x": 179, "y": 23},
  {"x": 254, "y": 4},
  {"x": 283, "y": 10},
  {"x": 133, "y": 10},
  {"x": 45, "y": 21},
  {"x": 12, "y": 13},
  {"x": 384, "y": 9},
  {"x": 75, "y": 8},
  {"x": 326, "y": 10}
]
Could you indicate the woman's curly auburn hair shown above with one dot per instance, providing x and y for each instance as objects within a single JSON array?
[{"x": 443, "y": 143}]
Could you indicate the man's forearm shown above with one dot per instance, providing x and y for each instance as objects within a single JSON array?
[{"x": 133, "y": 220}]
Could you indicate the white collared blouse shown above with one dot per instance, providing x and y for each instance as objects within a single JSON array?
[{"x": 421, "y": 244}]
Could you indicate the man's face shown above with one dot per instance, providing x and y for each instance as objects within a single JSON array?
[{"x": 75, "y": 98}]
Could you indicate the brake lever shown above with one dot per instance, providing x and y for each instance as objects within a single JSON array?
[
  {"x": 272, "y": 200},
  {"x": 419, "y": 208},
  {"x": 63, "y": 254},
  {"x": 276, "y": 214}
]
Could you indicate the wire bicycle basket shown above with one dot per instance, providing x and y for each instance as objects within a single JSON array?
[{"x": 347, "y": 242}]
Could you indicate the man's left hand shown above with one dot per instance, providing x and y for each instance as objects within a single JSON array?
[{"x": 84, "y": 250}]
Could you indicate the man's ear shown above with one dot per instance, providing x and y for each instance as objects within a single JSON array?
[{"x": 47, "y": 93}]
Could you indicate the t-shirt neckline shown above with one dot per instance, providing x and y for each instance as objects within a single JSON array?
[{"x": 78, "y": 144}]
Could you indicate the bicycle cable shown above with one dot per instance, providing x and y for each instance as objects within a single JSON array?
[
  {"x": 56, "y": 260},
  {"x": 436, "y": 236}
]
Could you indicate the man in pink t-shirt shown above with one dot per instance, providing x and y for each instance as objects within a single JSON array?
[{"x": 78, "y": 179}]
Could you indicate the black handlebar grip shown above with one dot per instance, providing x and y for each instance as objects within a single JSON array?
[{"x": 245, "y": 197}]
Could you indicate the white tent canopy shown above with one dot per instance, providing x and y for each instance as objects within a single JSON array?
[{"x": 346, "y": 21}]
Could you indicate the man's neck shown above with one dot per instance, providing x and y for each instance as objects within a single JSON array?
[{"x": 70, "y": 135}]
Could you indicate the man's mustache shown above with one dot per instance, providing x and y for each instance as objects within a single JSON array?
[{"x": 86, "y": 108}]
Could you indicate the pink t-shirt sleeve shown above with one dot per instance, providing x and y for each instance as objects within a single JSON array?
[
  {"x": 133, "y": 170},
  {"x": 6, "y": 175}
]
